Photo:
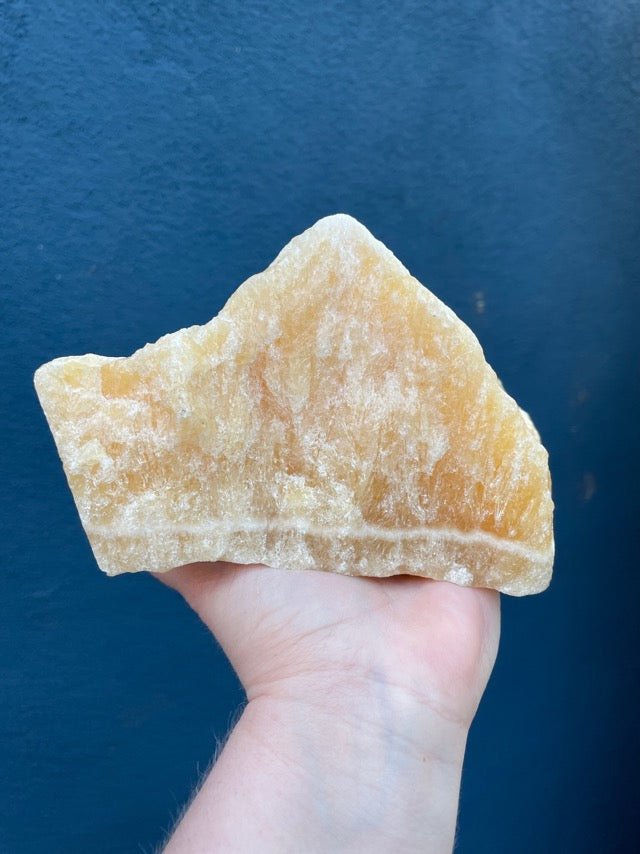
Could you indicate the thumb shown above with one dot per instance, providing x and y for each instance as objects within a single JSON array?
[
  {"x": 227, "y": 597},
  {"x": 205, "y": 587}
]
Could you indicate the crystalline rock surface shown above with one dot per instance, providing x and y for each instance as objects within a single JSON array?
[{"x": 335, "y": 415}]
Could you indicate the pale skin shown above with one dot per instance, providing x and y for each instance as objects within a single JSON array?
[{"x": 360, "y": 694}]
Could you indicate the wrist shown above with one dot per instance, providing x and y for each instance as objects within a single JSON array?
[
  {"x": 363, "y": 709},
  {"x": 334, "y": 765},
  {"x": 376, "y": 769}
]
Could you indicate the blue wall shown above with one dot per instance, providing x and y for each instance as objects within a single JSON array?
[{"x": 152, "y": 156}]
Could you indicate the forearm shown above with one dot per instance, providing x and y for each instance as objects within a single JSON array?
[{"x": 355, "y": 770}]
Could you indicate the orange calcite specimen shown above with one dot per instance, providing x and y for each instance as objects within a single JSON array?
[{"x": 335, "y": 415}]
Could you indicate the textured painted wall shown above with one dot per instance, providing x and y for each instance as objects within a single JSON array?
[{"x": 152, "y": 156}]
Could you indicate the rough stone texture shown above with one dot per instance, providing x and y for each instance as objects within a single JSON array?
[{"x": 335, "y": 415}]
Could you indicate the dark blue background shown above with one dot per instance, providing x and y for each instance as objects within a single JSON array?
[{"x": 155, "y": 154}]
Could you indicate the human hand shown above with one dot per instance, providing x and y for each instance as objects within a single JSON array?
[{"x": 360, "y": 694}]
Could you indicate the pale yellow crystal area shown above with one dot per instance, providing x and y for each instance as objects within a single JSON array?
[{"x": 335, "y": 415}]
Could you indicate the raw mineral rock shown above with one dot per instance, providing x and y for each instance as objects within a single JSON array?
[{"x": 335, "y": 415}]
